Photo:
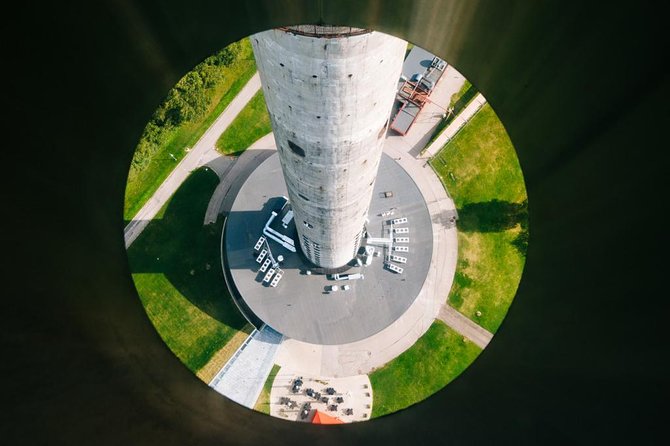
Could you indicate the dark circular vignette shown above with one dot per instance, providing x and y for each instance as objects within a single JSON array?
[{"x": 583, "y": 101}]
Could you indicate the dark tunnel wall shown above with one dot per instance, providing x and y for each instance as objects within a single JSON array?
[{"x": 580, "y": 88}]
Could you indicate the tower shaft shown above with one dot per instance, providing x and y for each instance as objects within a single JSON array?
[{"x": 329, "y": 92}]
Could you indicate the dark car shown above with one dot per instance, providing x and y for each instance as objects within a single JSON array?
[
  {"x": 297, "y": 384},
  {"x": 306, "y": 409}
]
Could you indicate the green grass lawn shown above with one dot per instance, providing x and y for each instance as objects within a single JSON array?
[
  {"x": 142, "y": 184},
  {"x": 176, "y": 267},
  {"x": 480, "y": 169},
  {"x": 252, "y": 123},
  {"x": 438, "y": 357},
  {"x": 480, "y": 163},
  {"x": 487, "y": 276},
  {"x": 263, "y": 403}
]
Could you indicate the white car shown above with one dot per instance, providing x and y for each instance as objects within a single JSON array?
[{"x": 348, "y": 276}]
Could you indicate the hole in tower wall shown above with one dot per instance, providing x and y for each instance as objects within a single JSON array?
[
  {"x": 303, "y": 197},
  {"x": 296, "y": 149}
]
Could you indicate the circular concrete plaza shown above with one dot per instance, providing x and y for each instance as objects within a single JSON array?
[{"x": 302, "y": 306}]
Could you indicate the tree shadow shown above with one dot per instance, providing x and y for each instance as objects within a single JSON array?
[
  {"x": 446, "y": 218},
  {"x": 188, "y": 253},
  {"x": 496, "y": 216}
]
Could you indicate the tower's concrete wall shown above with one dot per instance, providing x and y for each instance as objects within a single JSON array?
[{"x": 329, "y": 100}]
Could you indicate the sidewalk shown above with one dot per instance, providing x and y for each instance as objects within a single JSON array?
[
  {"x": 199, "y": 155},
  {"x": 459, "y": 121},
  {"x": 477, "y": 334},
  {"x": 243, "y": 377}
]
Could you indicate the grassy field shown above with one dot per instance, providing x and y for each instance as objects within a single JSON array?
[
  {"x": 142, "y": 184},
  {"x": 177, "y": 272},
  {"x": 480, "y": 163},
  {"x": 487, "y": 276},
  {"x": 252, "y": 123},
  {"x": 481, "y": 171},
  {"x": 263, "y": 403},
  {"x": 431, "y": 363}
]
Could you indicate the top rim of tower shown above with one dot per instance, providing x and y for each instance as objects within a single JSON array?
[{"x": 324, "y": 31}]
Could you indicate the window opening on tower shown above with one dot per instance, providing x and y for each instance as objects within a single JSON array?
[{"x": 296, "y": 149}]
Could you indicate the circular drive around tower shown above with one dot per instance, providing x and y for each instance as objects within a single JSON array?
[{"x": 302, "y": 306}]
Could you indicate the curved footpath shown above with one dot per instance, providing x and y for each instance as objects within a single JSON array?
[{"x": 226, "y": 191}]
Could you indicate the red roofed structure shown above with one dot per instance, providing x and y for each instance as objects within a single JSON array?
[{"x": 322, "y": 418}]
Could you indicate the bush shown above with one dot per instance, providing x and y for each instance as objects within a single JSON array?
[{"x": 186, "y": 102}]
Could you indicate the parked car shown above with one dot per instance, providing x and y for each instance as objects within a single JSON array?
[{"x": 304, "y": 412}]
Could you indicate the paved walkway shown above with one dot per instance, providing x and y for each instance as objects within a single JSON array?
[
  {"x": 243, "y": 376},
  {"x": 464, "y": 326},
  {"x": 202, "y": 153},
  {"x": 459, "y": 121},
  {"x": 226, "y": 191}
]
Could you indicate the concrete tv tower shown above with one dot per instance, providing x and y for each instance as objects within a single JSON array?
[{"x": 329, "y": 91}]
